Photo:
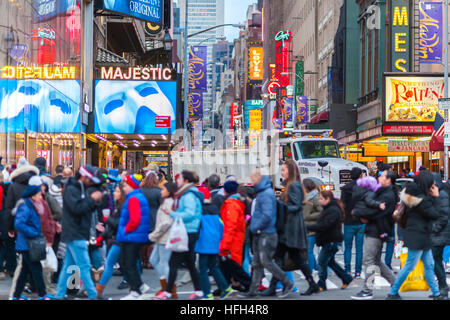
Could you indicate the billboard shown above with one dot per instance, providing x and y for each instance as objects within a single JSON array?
[
  {"x": 431, "y": 32},
  {"x": 47, "y": 9},
  {"x": 148, "y": 10},
  {"x": 130, "y": 107},
  {"x": 412, "y": 98},
  {"x": 255, "y": 61},
  {"x": 40, "y": 106}
]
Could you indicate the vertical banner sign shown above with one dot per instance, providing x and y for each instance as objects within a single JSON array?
[
  {"x": 195, "y": 104},
  {"x": 400, "y": 38},
  {"x": 255, "y": 126},
  {"x": 283, "y": 41},
  {"x": 255, "y": 63},
  {"x": 197, "y": 130},
  {"x": 302, "y": 110},
  {"x": 197, "y": 68},
  {"x": 299, "y": 78},
  {"x": 288, "y": 103},
  {"x": 431, "y": 32}
]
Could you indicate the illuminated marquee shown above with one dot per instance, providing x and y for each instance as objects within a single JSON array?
[
  {"x": 255, "y": 55},
  {"x": 400, "y": 36},
  {"x": 47, "y": 73},
  {"x": 136, "y": 73}
]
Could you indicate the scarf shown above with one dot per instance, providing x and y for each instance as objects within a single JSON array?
[
  {"x": 180, "y": 193},
  {"x": 312, "y": 195}
]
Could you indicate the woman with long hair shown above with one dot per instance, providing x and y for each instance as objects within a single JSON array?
[
  {"x": 291, "y": 226},
  {"x": 328, "y": 236}
]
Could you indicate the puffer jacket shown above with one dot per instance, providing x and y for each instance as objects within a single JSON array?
[
  {"x": 329, "y": 226},
  {"x": 441, "y": 227},
  {"x": 264, "y": 217},
  {"x": 27, "y": 222},
  {"x": 189, "y": 207},
  {"x": 311, "y": 209},
  {"x": 421, "y": 212},
  {"x": 232, "y": 214},
  {"x": 163, "y": 223},
  {"x": 211, "y": 229},
  {"x": 364, "y": 201}
]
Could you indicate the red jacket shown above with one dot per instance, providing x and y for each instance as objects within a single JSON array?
[{"x": 232, "y": 214}]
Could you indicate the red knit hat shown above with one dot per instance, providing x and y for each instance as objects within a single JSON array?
[
  {"x": 134, "y": 180},
  {"x": 205, "y": 192}
]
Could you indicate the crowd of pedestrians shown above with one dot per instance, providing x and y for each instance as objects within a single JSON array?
[{"x": 99, "y": 223}]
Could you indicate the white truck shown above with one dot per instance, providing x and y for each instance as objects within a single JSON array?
[{"x": 316, "y": 153}]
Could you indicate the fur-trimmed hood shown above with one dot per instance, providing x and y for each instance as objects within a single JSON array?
[
  {"x": 19, "y": 171},
  {"x": 409, "y": 200}
]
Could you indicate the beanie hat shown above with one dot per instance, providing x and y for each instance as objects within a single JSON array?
[
  {"x": 206, "y": 193},
  {"x": 134, "y": 180},
  {"x": 413, "y": 189},
  {"x": 34, "y": 186},
  {"x": 231, "y": 187},
  {"x": 355, "y": 173}
]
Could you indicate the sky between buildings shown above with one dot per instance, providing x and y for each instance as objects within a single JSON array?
[{"x": 235, "y": 12}]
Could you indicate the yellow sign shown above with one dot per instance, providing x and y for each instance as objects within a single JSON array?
[
  {"x": 359, "y": 158},
  {"x": 413, "y": 99},
  {"x": 47, "y": 73},
  {"x": 255, "y": 120},
  {"x": 256, "y": 63},
  {"x": 383, "y": 151}
]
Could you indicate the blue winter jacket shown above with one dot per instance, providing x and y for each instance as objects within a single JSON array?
[
  {"x": 211, "y": 230},
  {"x": 27, "y": 223},
  {"x": 140, "y": 235},
  {"x": 190, "y": 210},
  {"x": 264, "y": 217}
]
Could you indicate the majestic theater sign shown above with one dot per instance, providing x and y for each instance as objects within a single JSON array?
[{"x": 136, "y": 73}]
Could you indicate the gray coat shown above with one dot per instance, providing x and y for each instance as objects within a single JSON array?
[
  {"x": 311, "y": 210},
  {"x": 293, "y": 233}
]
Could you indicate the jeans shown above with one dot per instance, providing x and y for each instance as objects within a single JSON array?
[
  {"x": 390, "y": 250},
  {"x": 8, "y": 256},
  {"x": 353, "y": 232},
  {"x": 208, "y": 262},
  {"x": 311, "y": 258},
  {"x": 111, "y": 260},
  {"x": 189, "y": 258},
  {"x": 130, "y": 254},
  {"x": 247, "y": 259},
  {"x": 160, "y": 260},
  {"x": 372, "y": 260},
  {"x": 264, "y": 248},
  {"x": 325, "y": 260},
  {"x": 446, "y": 255},
  {"x": 439, "y": 269},
  {"x": 27, "y": 268},
  {"x": 411, "y": 261},
  {"x": 96, "y": 258},
  {"x": 77, "y": 253}
]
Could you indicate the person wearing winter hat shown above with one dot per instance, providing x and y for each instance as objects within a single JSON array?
[
  {"x": 132, "y": 233},
  {"x": 207, "y": 245},
  {"x": 29, "y": 226}
]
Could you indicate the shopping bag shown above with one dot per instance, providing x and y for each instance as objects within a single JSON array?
[
  {"x": 178, "y": 239},
  {"x": 416, "y": 279},
  {"x": 50, "y": 262}
]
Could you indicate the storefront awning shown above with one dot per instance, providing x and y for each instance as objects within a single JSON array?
[
  {"x": 437, "y": 143},
  {"x": 323, "y": 116}
]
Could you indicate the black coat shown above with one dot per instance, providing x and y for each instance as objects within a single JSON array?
[
  {"x": 421, "y": 212},
  {"x": 364, "y": 201},
  {"x": 347, "y": 200},
  {"x": 293, "y": 232},
  {"x": 77, "y": 212},
  {"x": 329, "y": 225},
  {"x": 153, "y": 196},
  {"x": 388, "y": 196},
  {"x": 19, "y": 178},
  {"x": 112, "y": 224},
  {"x": 441, "y": 227}
]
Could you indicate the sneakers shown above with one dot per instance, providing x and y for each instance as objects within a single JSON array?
[
  {"x": 362, "y": 295},
  {"x": 439, "y": 297},
  {"x": 144, "y": 288},
  {"x": 133, "y": 295},
  {"x": 225, "y": 294},
  {"x": 357, "y": 276},
  {"x": 287, "y": 291},
  {"x": 123, "y": 285},
  {"x": 208, "y": 297},
  {"x": 195, "y": 296},
  {"x": 162, "y": 296},
  {"x": 393, "y": 297},
  {"x": 246, "y": 295},
  {"x": 48, "y": 296},
  {"x": 2, "y": 276},
  {"x": 22, "y": 297}
]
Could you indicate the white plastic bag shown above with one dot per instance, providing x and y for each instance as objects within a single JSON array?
[
  {"x": 50, "y": 262},
  {"x": 178, "y": 239}
]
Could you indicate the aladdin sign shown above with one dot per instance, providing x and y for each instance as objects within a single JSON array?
[
  {"x": 136, "y": 73},
  {"x": 408, "y": 146}
]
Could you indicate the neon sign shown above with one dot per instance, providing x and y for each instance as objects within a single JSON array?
[
  {"x": 47, "y": 73},
  {"x": 136, "y": 73},
  {"x": 283, "y": 40},
  {"x": 400, "y": 36}
]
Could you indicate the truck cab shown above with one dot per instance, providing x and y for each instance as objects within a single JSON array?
[{"x": 317, "y": 156}]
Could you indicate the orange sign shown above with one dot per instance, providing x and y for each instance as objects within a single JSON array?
[
  {"x": 383, "y": 151},
  {"x": 255, "y": 63},
  {"x": 359, "y": 158}
]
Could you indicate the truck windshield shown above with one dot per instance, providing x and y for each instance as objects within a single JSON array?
[{"x": 318, "y": 149}]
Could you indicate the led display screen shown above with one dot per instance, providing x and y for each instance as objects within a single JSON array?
[{"x": 130, "y": 107}]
